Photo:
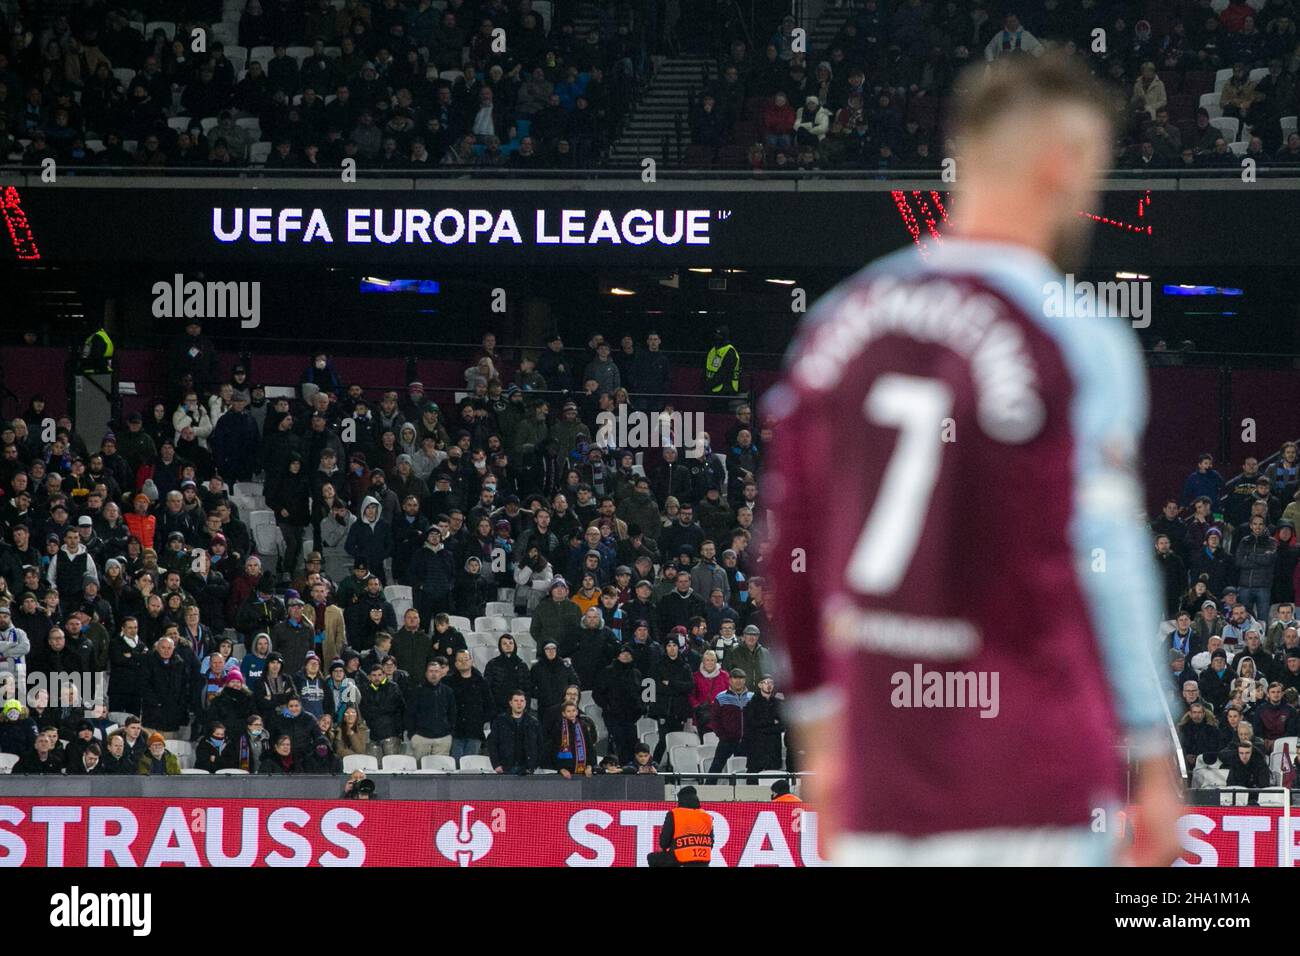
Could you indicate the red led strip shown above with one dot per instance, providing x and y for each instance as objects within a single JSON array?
[
  {"x": 912, "y": 220},
  {"x": 20, "y": 231}
]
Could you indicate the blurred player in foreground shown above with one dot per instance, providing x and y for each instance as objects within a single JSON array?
[{"x": 971, "y": 636}]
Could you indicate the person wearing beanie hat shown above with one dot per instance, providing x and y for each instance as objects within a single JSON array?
[
  {"x": 551, "y": 675},
  {"x": 158, "y": 760},
  {"x": 1211, "y": 561},
  {"x": 1216, "y": 680},
  {"x": 557, "y": 619}
]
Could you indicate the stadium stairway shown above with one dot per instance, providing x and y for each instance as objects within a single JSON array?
[
  {"x": 826, "y": 27},
  {"x": 654, "y": 119}
]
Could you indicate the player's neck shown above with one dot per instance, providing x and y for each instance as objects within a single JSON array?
[{"x": 986, "y": 216}]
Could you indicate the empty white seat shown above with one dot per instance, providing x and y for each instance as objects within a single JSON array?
[
  {"x": 180, "y": 747},
  {"x": 256, "y": 518},
  {"x": 528, "y": 655},
  {"x": 525, "y": 642},
  {"x": 645, "y": 725},
  {"x": 1288, "y": 124},
  {"x": 267, "y": 539},
  {"x": 651, "y": 740},
  {"x": 507, "y": 595},
  {"x": 228, "y": 34},
  {"x": 232, "y": 770},
  {"x": 398, "y": 762},
  {"x": 521, "y": 625},
  {"x": 476, "y": 762},
  {"x": 439, "y": 763},
  {"x": 193, "y": 770},
  {"x": 586, "y": 699},
  {"x": 491, "y": 623},
  {"x": 449, "y": 75},
  {"x": 1221, "y": 78},
  {"x": 1227, "y": 125},
  {"x": 262, "y": 54},
  {"x": 736, "y": 764},
  {"x": 481, "y": 655},
  {"x": 95, "y": 145},
  {"x": 359, "y": 762},
  {"x": 462, "y": 624},
  {"x": 706, "y": 753},
  {"x": 255, "y": 124},
  {"x": 299, "y": 53},
  {"x": 179, "y": 123},
  {"x": 209, "y": 123},
  {"x": 710, "y": 739},
  {"x": 7, "y": 762},
  {"x": 396, "y": 592},
  {"x": 681, "y": 738},
  {"x": 684, "y": 759},
  {"x": 1210, "y": 103},
  {"x": 258, "y": 153},
  {"x": 1289, "y": 743},
  {"x": 502, "y": 609},
  {"x": 540, "y": 770}
]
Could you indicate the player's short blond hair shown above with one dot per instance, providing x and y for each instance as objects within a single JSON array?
[{"x": 1024, "y": 84}]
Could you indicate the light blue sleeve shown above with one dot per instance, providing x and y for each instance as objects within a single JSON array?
[{"x": 1112, "y": 549}]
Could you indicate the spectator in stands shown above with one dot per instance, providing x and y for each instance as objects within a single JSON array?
[
  {"x": 158, "y": 760},
  {"x": 473, "y": 706},
  {"x": 431, "y": 712},
  {"x": 370, "y": 540},
  {"x": 515, "y": 740},
  {"x": 551, "y": 675},
  {"x": 1256, "y": 558},
  {"x": 281, "y": 759},
  {"x": 728, "y": 721},
  {"x": 166, "y": 688},
  {"x": 570, "y": 745},
  {"x": 1204, "y": 481},
  {"x": 710, "y": 681},
  {"x": 214, "y": 752},
  {"x": 618, "y": 692},
  {"x": 778, "y": 122},
  {"x": 383, "y": 709},
  {"x": 1198, "y": 734},
  {"x": 1249, "y": 769}
]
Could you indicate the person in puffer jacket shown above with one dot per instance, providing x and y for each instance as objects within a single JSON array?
[{"x": 432, "y": 575}]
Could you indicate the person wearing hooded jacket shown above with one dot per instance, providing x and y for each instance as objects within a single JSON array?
[
  {"x": 370, "y": 539},
  {"x": 618, "y": 692},
  {"x": 432, "y": 575},
  {"x": 550, "y": 675},
  {"x": 505, "y": 674},
  {"x": 472, "y": 593}
]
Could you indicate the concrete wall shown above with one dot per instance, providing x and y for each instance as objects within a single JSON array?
[{"x": 450, "y": 787}]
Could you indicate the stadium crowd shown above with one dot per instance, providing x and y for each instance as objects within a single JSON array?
[
  {"x": 305, "y": 84},
  {"x": 1230, "y": 564},
  {"x": 1190, "y": 78},
  {"x": 151, "y": 590}
]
